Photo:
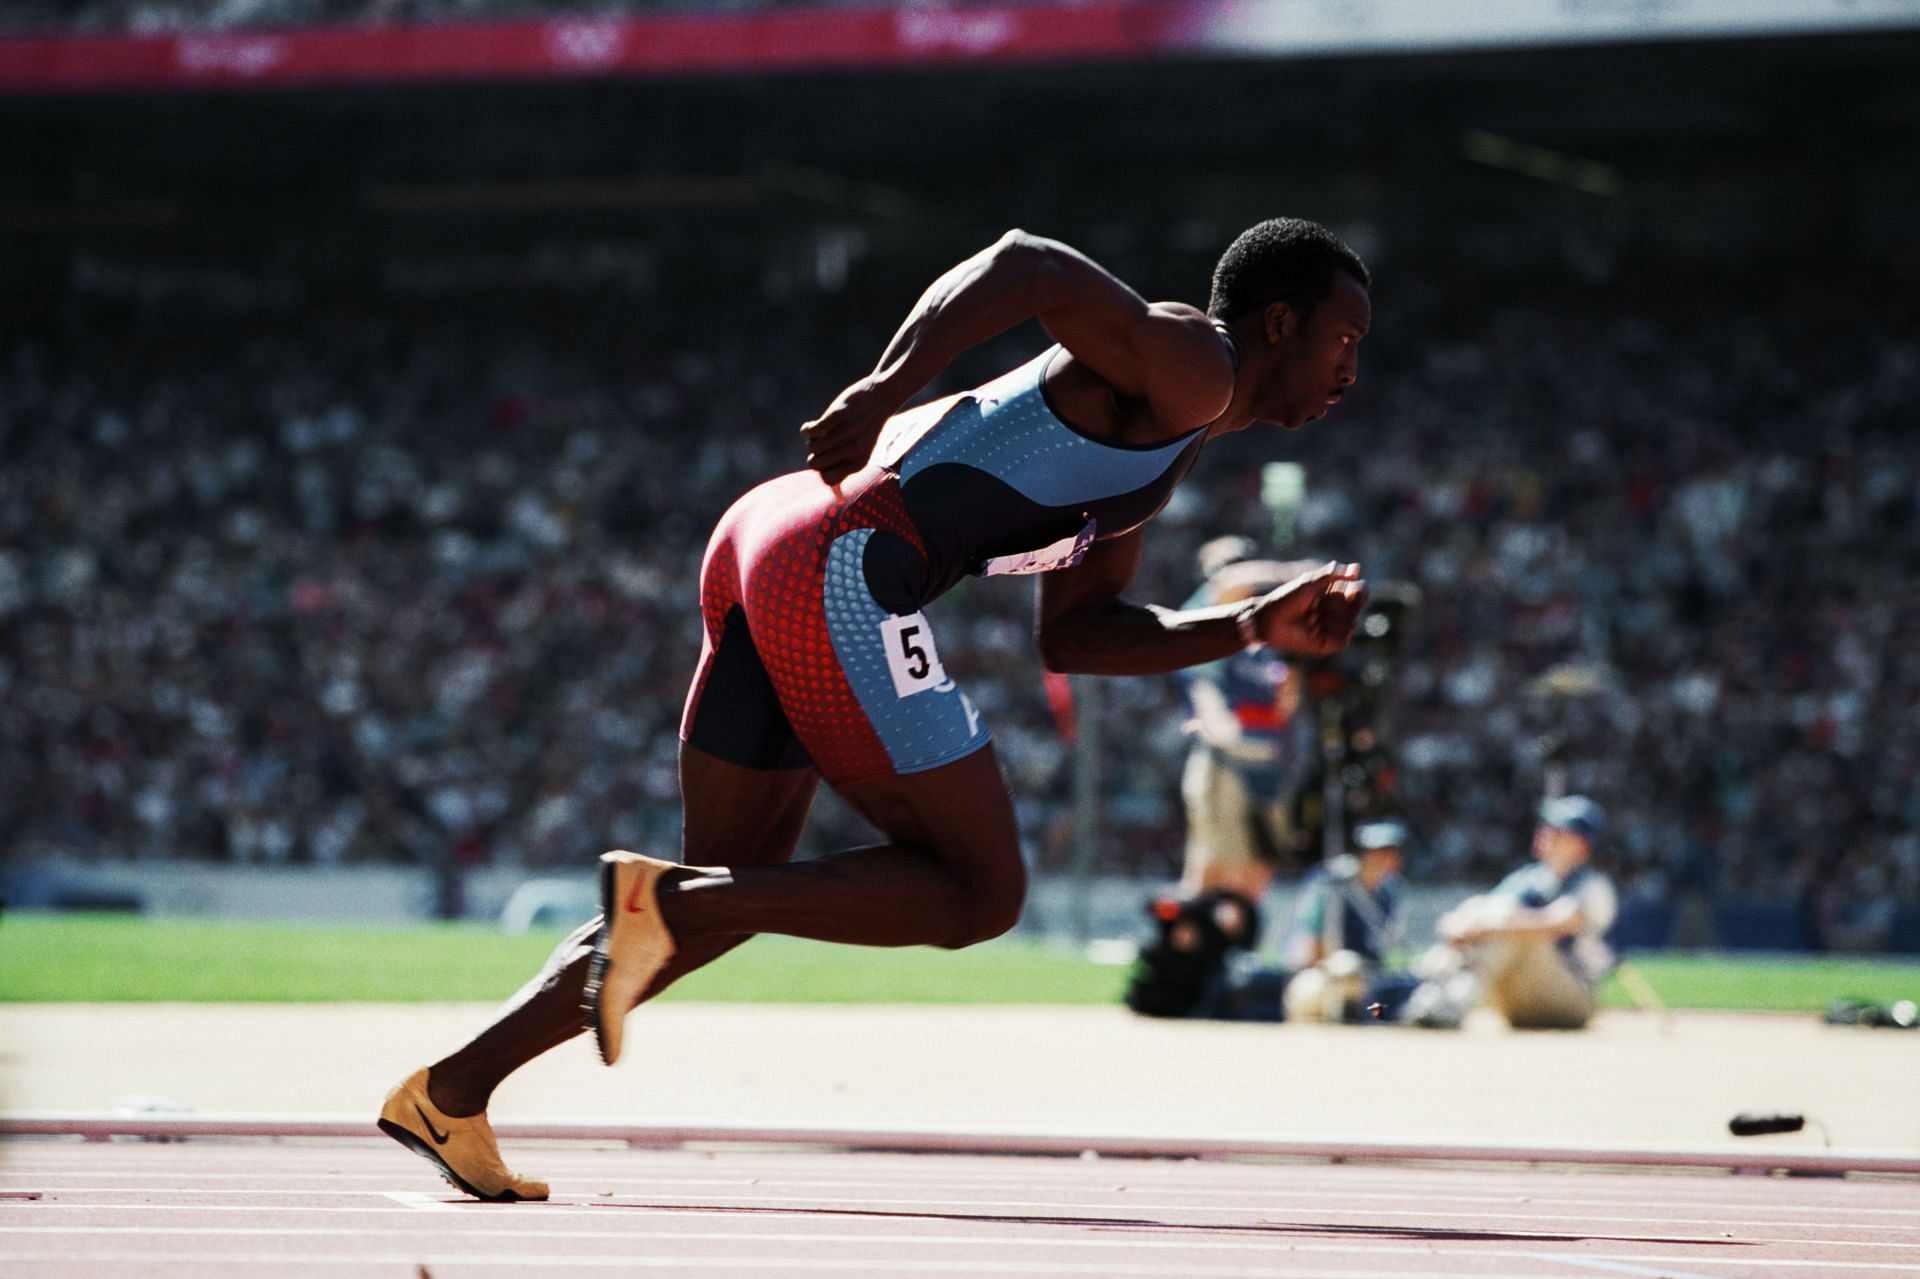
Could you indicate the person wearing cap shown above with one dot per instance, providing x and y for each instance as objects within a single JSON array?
[
  {"x": 1535, "y": 944},
  {"x": 1250, "y": 746},
  {"x": 1353, "y": 901},
  {"x": 1346, "y": 920}
]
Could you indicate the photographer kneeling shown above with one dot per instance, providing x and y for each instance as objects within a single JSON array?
[{"x": 1347, "y": 919}]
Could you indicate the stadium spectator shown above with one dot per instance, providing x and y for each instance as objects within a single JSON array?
[
  {"x": 1346, "y": 921},
  {"x": 1534, "y": 946},
  {"x": 1251, "y": 741}
]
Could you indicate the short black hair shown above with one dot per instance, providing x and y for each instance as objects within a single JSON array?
[{"x": 1286, "y": 260}]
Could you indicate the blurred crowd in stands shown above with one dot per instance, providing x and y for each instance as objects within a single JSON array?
[
  {"x": 1669, "y": 535},
  {"x": 417, "y": 582}
]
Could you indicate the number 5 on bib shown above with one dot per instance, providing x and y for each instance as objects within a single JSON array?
[{"x": 911, "y": 657}]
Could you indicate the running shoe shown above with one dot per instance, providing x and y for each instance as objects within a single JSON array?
[
  {"x": 632, "y": 947},
  {"x": 465, "y": 1149}
]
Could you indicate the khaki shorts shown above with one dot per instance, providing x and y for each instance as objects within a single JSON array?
[
  {"x": 1532, "y": 984},
  {"x": 1220, "y": 817}
]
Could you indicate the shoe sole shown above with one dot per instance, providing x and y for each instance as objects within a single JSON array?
[
  {"x": 597, "y": 967},
  {"x": 412, "y": 1142}
]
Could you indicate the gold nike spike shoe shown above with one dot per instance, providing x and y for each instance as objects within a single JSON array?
[
  {"x": 632, "y": 947},
  {"x": 465, "y": 1149}
]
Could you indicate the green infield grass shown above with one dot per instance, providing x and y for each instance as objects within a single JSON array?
[
  {"x": 106, "y": 958},
  {"x": 111, "y": 958},
  {"x": 1769, "y": 984}
]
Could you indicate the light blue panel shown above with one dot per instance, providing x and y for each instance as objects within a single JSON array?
[
  {"x": 1006, "y": 430},
  {"x": 920, "y": 731}
]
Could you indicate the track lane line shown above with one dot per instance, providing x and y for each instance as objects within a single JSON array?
[
  {"x": 1091, "y": 1212},
  {"x": 418, "y": 1201},
  {"x": 1619, "y": 1268},
  {"x": 680, "y": 1264},
  {"x": 1657, "y": 1265}
]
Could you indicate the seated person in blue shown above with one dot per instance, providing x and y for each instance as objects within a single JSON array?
[
  {"x": 1346, "y": 921},
  {"x": 1534, "y": 946}
]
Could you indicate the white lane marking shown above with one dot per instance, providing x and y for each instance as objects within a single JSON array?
[
  {"x": 761, "y": 1264},
  {"x": 1736, "y": 1207},
  {"x": 921, "y": 1265},
  {"x": 1616, "y": 1267},
  {"x": 1143, "y": 1242},
  {"x": 1091, "y": 1216},
  {"x": 1541, "y": 1223},
  {"x": 417, "y": 1201},
  {"x": 245, "y": 1151},
  {"x": 1759, "y": 1265},
  {"x": 676, "y": 1264},
  {"x": 1279, "y": 1241},
  {"x": 856, "y": 1169},
  {"x": 1204, "y": 1180},
  {"x": 861, "y": 1166}
]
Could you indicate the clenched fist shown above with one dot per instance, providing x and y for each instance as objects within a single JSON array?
[{"x": 1314, "y": 614}]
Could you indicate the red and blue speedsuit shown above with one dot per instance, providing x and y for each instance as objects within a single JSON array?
[{"x": 816, "y": 650}]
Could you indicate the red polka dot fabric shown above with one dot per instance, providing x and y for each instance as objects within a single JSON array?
[{"x": 769, "y": 557}]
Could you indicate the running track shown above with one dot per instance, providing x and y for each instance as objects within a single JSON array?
[{"x": 341, "y": 1207}]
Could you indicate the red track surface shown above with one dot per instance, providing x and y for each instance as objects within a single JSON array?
[{"x": 208, "y": 1208}]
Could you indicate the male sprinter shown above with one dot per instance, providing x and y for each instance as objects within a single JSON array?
[{"x": 818, "y": 662}]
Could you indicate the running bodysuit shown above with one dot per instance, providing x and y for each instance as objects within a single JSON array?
[{"x": 816, "y": 651}]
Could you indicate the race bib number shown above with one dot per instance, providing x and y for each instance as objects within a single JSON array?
[{"x": 911, "y": 658}]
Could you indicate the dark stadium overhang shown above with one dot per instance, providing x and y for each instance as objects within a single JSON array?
[{"x": 1751, "y": 142}]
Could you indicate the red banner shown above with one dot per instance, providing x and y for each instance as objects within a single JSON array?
[{"x": 775, "y": 41}]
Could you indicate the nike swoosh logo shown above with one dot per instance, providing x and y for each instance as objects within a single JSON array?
[
  {"x": 439, "y": 1138},
  {"x": 636, "y": 898}
]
